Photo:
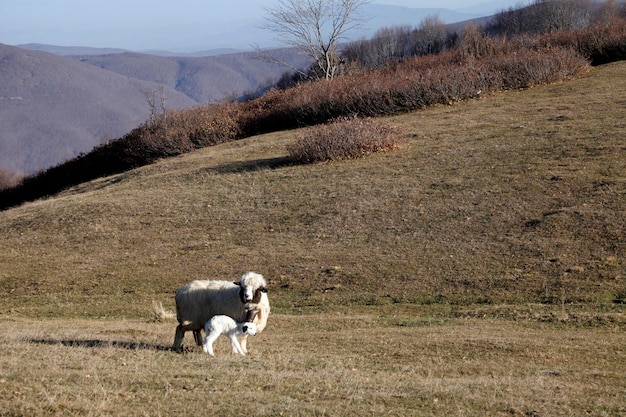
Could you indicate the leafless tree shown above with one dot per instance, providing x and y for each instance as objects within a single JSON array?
[
  {"x": 315, "y": 27},
  {"x": 391, "y": 43},
  {"x": 156, "y": 102},
  {"x": 430, "y": 37},
  {"x": 473, "y": 41},
  {"x": 543, "y": 16},
  {"x": 607, "y": 11},
  {"x": 563, "y": 14}
]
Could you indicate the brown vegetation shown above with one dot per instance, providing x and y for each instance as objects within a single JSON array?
[
  {"x": 9, "y": 179},
  {"x": 343, "y": 138},
  {"x": 388, "y": 362}
]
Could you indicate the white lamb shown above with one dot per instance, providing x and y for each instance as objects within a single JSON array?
[
  {"x": 222, "y": 324},
  {"x": 198, "y": 301}
]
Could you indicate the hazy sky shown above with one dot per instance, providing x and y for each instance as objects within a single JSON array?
[{"x": 157, "y": 24}]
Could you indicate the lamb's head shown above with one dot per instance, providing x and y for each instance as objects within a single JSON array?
[
  {"x": 249, "y": 328},
  {"x": 252, "y": 285}
]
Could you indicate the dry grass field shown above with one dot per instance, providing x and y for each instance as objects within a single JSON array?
[{"x": 477, "y": 270}]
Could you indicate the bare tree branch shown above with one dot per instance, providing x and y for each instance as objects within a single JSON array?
[{"x": 314, "y": 27}]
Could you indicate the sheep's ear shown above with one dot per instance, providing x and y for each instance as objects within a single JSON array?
[
  {"x": 264, "y": 290},
  {"x": 237, "y": 283}
]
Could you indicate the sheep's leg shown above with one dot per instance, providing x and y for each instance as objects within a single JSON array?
[
  {"x": 236, "y": 346},
  {"x": 178, "y": 338},
  {"x": 207, "y": 347},
  {"x": 197, "y": 334},
  {"x": 243, "y": 342}
]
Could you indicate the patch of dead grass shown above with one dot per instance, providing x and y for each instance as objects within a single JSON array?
[{"x": 368, "y": 365}]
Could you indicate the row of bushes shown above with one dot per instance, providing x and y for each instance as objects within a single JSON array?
[
  {"x": 414, "y": 84},
  {"x": 478, "y": 65},
  {"x": 600, "y": 44},
  {"x": 432, "y": 36},
  {"x": 548, "y": 16}
]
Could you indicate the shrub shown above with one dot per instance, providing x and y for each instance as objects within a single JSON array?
[
  {"x": 530, "y": 67},
  {"x": 174, "y": 132},
  {"x": 204, "y": 125},
  {"x": 9, "y": 179},
  {"x": 600, "y": 44},
  {"x": 343, "y": 138}
]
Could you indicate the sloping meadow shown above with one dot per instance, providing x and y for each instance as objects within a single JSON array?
[
  {"x": 517, "y": 197},
  {"x": 476, "y": 270}
]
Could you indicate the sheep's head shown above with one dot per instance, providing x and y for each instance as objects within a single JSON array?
[
  {"x": 249, "y": 328},
  {"x": 253, "y": 286}
]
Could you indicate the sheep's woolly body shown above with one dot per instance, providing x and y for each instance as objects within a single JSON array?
[{"x": 200, "y": 300}]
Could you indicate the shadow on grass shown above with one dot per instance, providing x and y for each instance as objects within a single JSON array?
[
  {"x": 97, "y": 343},
  {"x": 257, "y": 164}
]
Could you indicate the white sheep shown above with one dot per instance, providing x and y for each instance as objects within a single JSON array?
[
  {"x": 198, "y": 301},
  {"x": 222, "y": 324}
]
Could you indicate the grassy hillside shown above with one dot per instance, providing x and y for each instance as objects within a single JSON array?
[
  {"x": 514, "y": 198},
  {"x": 478, "y": 270}
]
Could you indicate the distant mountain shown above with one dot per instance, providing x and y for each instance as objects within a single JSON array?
[
  {"x": 70, "y": 50},
  {"x": 492, "y": 7},
  {"x": 385, "y": 16},
  {"x": 208, "y": 52},
  {"x": 86, "y": 50},
  {"x": 204, "y": 79},
  {"x": 53, "y": 108}
]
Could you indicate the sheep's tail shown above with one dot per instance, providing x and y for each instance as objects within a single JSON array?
[{"x": 160, "y": 314}]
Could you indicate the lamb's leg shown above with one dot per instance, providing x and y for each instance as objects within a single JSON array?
[
  {"x": 197, "y": 335},
  {"x": 236, "y": 346},
  {"x": 207, "y": 347},
  {"x": 178, "y": 338}
]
